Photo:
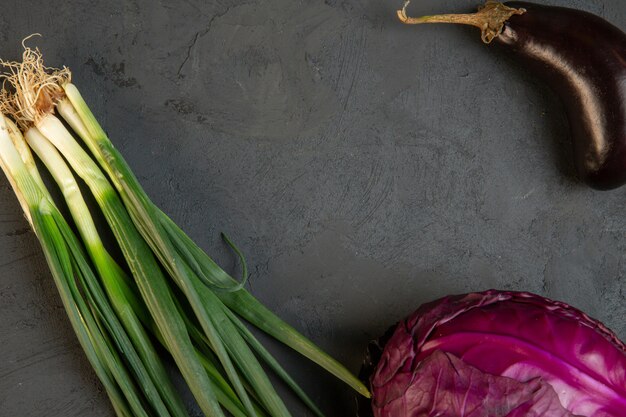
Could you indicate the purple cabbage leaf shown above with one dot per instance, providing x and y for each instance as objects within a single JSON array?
[{"x": 500, "y": 354}]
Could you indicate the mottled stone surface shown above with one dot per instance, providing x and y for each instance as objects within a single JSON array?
[{"x": 363, "y": 166}]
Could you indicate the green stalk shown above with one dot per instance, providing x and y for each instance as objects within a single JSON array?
[
  {"x": 224, "y": 338},
  {"x": 248, "y": 307},
  {"x": 208, "y": 310},
  {"x": 76, "y": 112},
  {"x": 125, "y": 301},
  {"x": 204, "y": 349},
  {"x": 125, "y": 395},
  {"x": 224, "y": 393},
  {"x": 158, "y": 387},
  {"x": 97, "y": 301},
  {"x": 40, "y": 212},
  {"x": 109, "y": 332},
  {"x": 267, "y": 357},
  {"x": 150, "y": 280},
  {"x": 252, "y": 341}
]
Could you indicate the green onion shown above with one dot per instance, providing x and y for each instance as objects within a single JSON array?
[
  {"x": 47, "y": 224},
  {"x": 113, "y": 277},
  {"x": 175, "y": 290},
  {"x": 225, "y": 340},
  {"x": 33, "y": 85},
  {"x": 146, "y": 271}
]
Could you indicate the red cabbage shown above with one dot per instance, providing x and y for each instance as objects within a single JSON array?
[{"x": 500, "y": 354}]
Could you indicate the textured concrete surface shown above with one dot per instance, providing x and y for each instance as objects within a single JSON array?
[{"x": 363, "y": 166}]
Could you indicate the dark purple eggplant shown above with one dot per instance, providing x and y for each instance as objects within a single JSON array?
[{"x": 583, "y": 58}]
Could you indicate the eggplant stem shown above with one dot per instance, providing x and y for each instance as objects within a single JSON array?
[{"x": 490, "y": 18}]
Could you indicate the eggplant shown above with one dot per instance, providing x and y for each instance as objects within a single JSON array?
[{"x": 582, "y": 57}]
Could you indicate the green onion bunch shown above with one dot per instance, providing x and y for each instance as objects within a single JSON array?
[{"x": 166, "y": 297}]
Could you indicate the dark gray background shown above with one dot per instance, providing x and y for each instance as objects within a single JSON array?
[{"x": 363, "y": 166}]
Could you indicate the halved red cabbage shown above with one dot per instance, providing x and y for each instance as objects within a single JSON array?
[{"x": 500, "y": 354}]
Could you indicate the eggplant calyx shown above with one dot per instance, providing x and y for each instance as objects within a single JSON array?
[{"x": 490, "y": 18}]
